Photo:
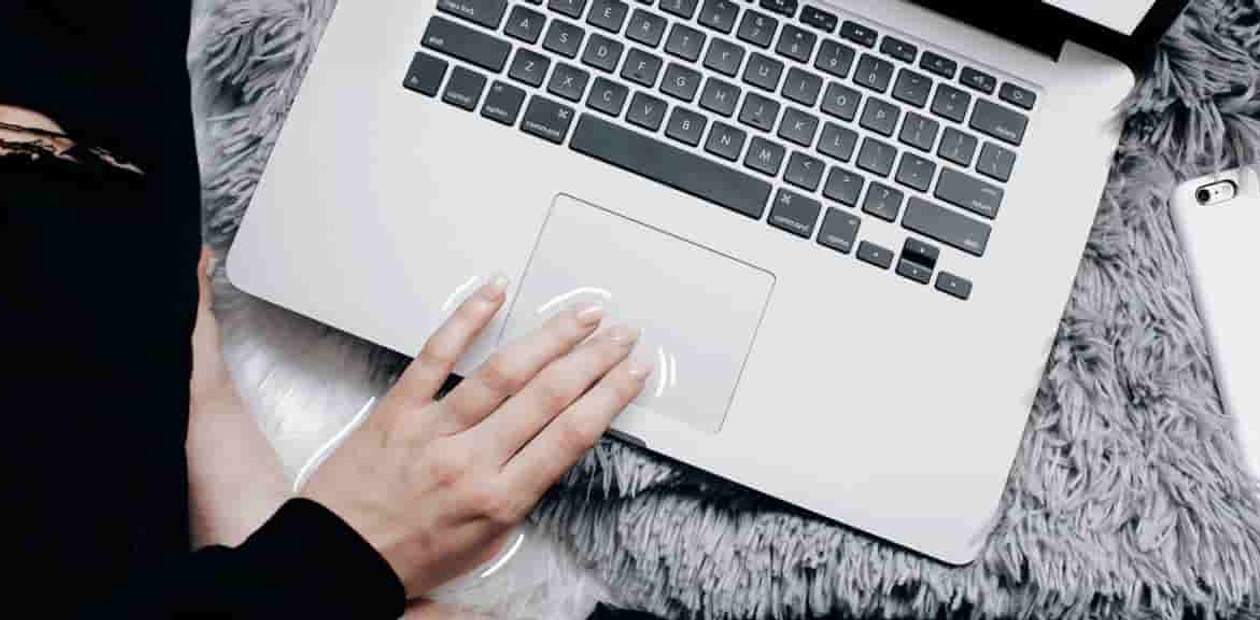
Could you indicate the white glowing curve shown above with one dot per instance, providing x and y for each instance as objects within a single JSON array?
[
  {"x": 663, "y": 375},
  {"x": 520, "y": 538},
  {"x": 459, "y": 291},
  {"x": 673, "y": 370},
  {"x": 560, "y": 299}
]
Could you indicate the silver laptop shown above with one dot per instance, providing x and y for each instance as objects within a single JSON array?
[{"x": 847, "y": 227}]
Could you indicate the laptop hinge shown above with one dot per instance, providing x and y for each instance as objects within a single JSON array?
[{"x": 1030, "y": 25}]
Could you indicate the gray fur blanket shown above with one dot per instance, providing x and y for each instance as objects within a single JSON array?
[{"x": 1129, "y": 497}]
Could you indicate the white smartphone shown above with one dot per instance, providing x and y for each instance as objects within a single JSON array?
[{"x": 1217, "y": 217}]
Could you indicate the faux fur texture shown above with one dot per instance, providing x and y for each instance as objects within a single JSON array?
[{"x": 1129, "y": 497}]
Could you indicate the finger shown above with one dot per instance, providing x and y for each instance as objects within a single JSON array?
[
  {"x": 556, "y": 387},
  {"x": 511, "y": 367},
  {"x": 569, "y": 435},
  {"x": 437, "y": 357}
]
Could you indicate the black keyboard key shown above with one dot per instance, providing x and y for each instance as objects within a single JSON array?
[
  {"x": 547, "y": 119},
  {"x": 905, "y": 52},
  {"x": 537, "y": 2},
  {"x": 919, "y": 132},
  {"x": 912, "y": 88},
  {"x": 682, "y": 8},
  {"x": 995, "y": 162},
  {"x": 883, "y": 202},
  {"x": 724, "y": 57},
  {"x": 874, "y": 73},
  {"x": 915, "y": 172},
  {"x": 979, "y": 80},
  {"x": 920, "y": 253},
  {"x": 802, "y": 86},
  {"x": 464, "y": 88},
  {"x": 757, "y": 28},
  {"x": 843, "y": 186},
  {"x": 764, "y": 156},
  {"x": 563, "y": 38},
  {"x": 858, "y": 34},
  {"x": 568, "y": 81},
  {"x": 525, "y": 24},
  {"x": 841, "y": 101},
  {"x": 953, "y": 285},
  {"x": 472, "y": 46},
  {"x": 839, "y": 230},
  {"x": 726, "y": 142},
  {"x": 671, "y": 166},
  {"x": 804, "y": 171},
  {"x": 602, "y": 53},
  {"x": 875, "y": 254},
  {"x": 958, "y": 147},
  {"x": 876, "y": 157},
  {"x": 951, "y": 103},
  {"x": 796, "y": 43},
  {"x": 838, "y": 142},
  {"x": 820, "y": 19},
  {"x": 948, "y": 227},
  {"x": 999, "y": 121},
  {"x": 719, "y": 15},
  {"x": 719, "y": 97},
  {"x": 529, "y": 67},
  {"x": 425, "y": 74},
  {"x": 794, "y": 213},
  {"x": 880, "y": 116},
  {"x": 685, "y": 126},
  {"x": 488, "y": 13},
  {"x": 680, "y": 82},
  {"x": 503, "y": 103},
  {"x": 763, "y": 72},
  {"x": 969, "y": 193},
  {"x": 913, "y": 271},
  {"x": 1015, "y": 95},
  {"x": 759, "y": 112},
  {"x": 835, "y": 58},
  {"x": 641, "y": 67},
  {"x": 798, "y": 127},
  {"x": 786, "y": 8},
  {"x": 646, "y": 111},
  {"x": 607, "y": 96},
  {"x": 684, "y": 42},
  {"x": 609, "y": 15},
  {"x": 572, "y": 8},
  {"x": 646, "y": 27},
  {"x": 940, "y": 65}
]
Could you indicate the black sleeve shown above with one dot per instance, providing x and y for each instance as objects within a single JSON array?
[
  {"x": 303, "y": 562},
  {"x": 98, "y": 296}
]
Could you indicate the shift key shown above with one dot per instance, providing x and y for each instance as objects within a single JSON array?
[
  {"x": 488, "y": 13},
  {"x": 946, "y": 226},
  {"x": 466, "y": 44}
]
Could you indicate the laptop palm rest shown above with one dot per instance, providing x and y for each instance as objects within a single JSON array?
[{"x": 699, "y": 310}]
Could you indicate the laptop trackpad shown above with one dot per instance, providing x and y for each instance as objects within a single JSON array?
[{"x": 698, "y": 309}]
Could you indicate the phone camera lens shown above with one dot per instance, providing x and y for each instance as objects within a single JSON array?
[{"x": 1203, "y": 196}]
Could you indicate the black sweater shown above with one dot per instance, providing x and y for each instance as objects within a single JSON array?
[{"x": 97, "y": 300}]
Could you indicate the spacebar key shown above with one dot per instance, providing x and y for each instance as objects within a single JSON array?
[{"x": 672, "y": 166}]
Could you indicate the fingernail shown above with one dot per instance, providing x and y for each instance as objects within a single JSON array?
[
  {"x": 497, "y": 286},
  {"x": 623, "y": 334},
  {"x": 589, "y": 315},
  {"x": 639, "y": 369}
]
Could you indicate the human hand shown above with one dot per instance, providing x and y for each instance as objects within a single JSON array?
[{"x": 435, "y": 486}]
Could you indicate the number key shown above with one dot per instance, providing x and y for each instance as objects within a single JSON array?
[
  {"x": 757, "y": 28},
  {"x": 796, "y": 43},
  {"x": 835, "y": 58},
  {"x": 873, "y": 73}
]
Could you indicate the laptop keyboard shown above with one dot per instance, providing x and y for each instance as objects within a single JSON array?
[{"x": 778, "y": 112}]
